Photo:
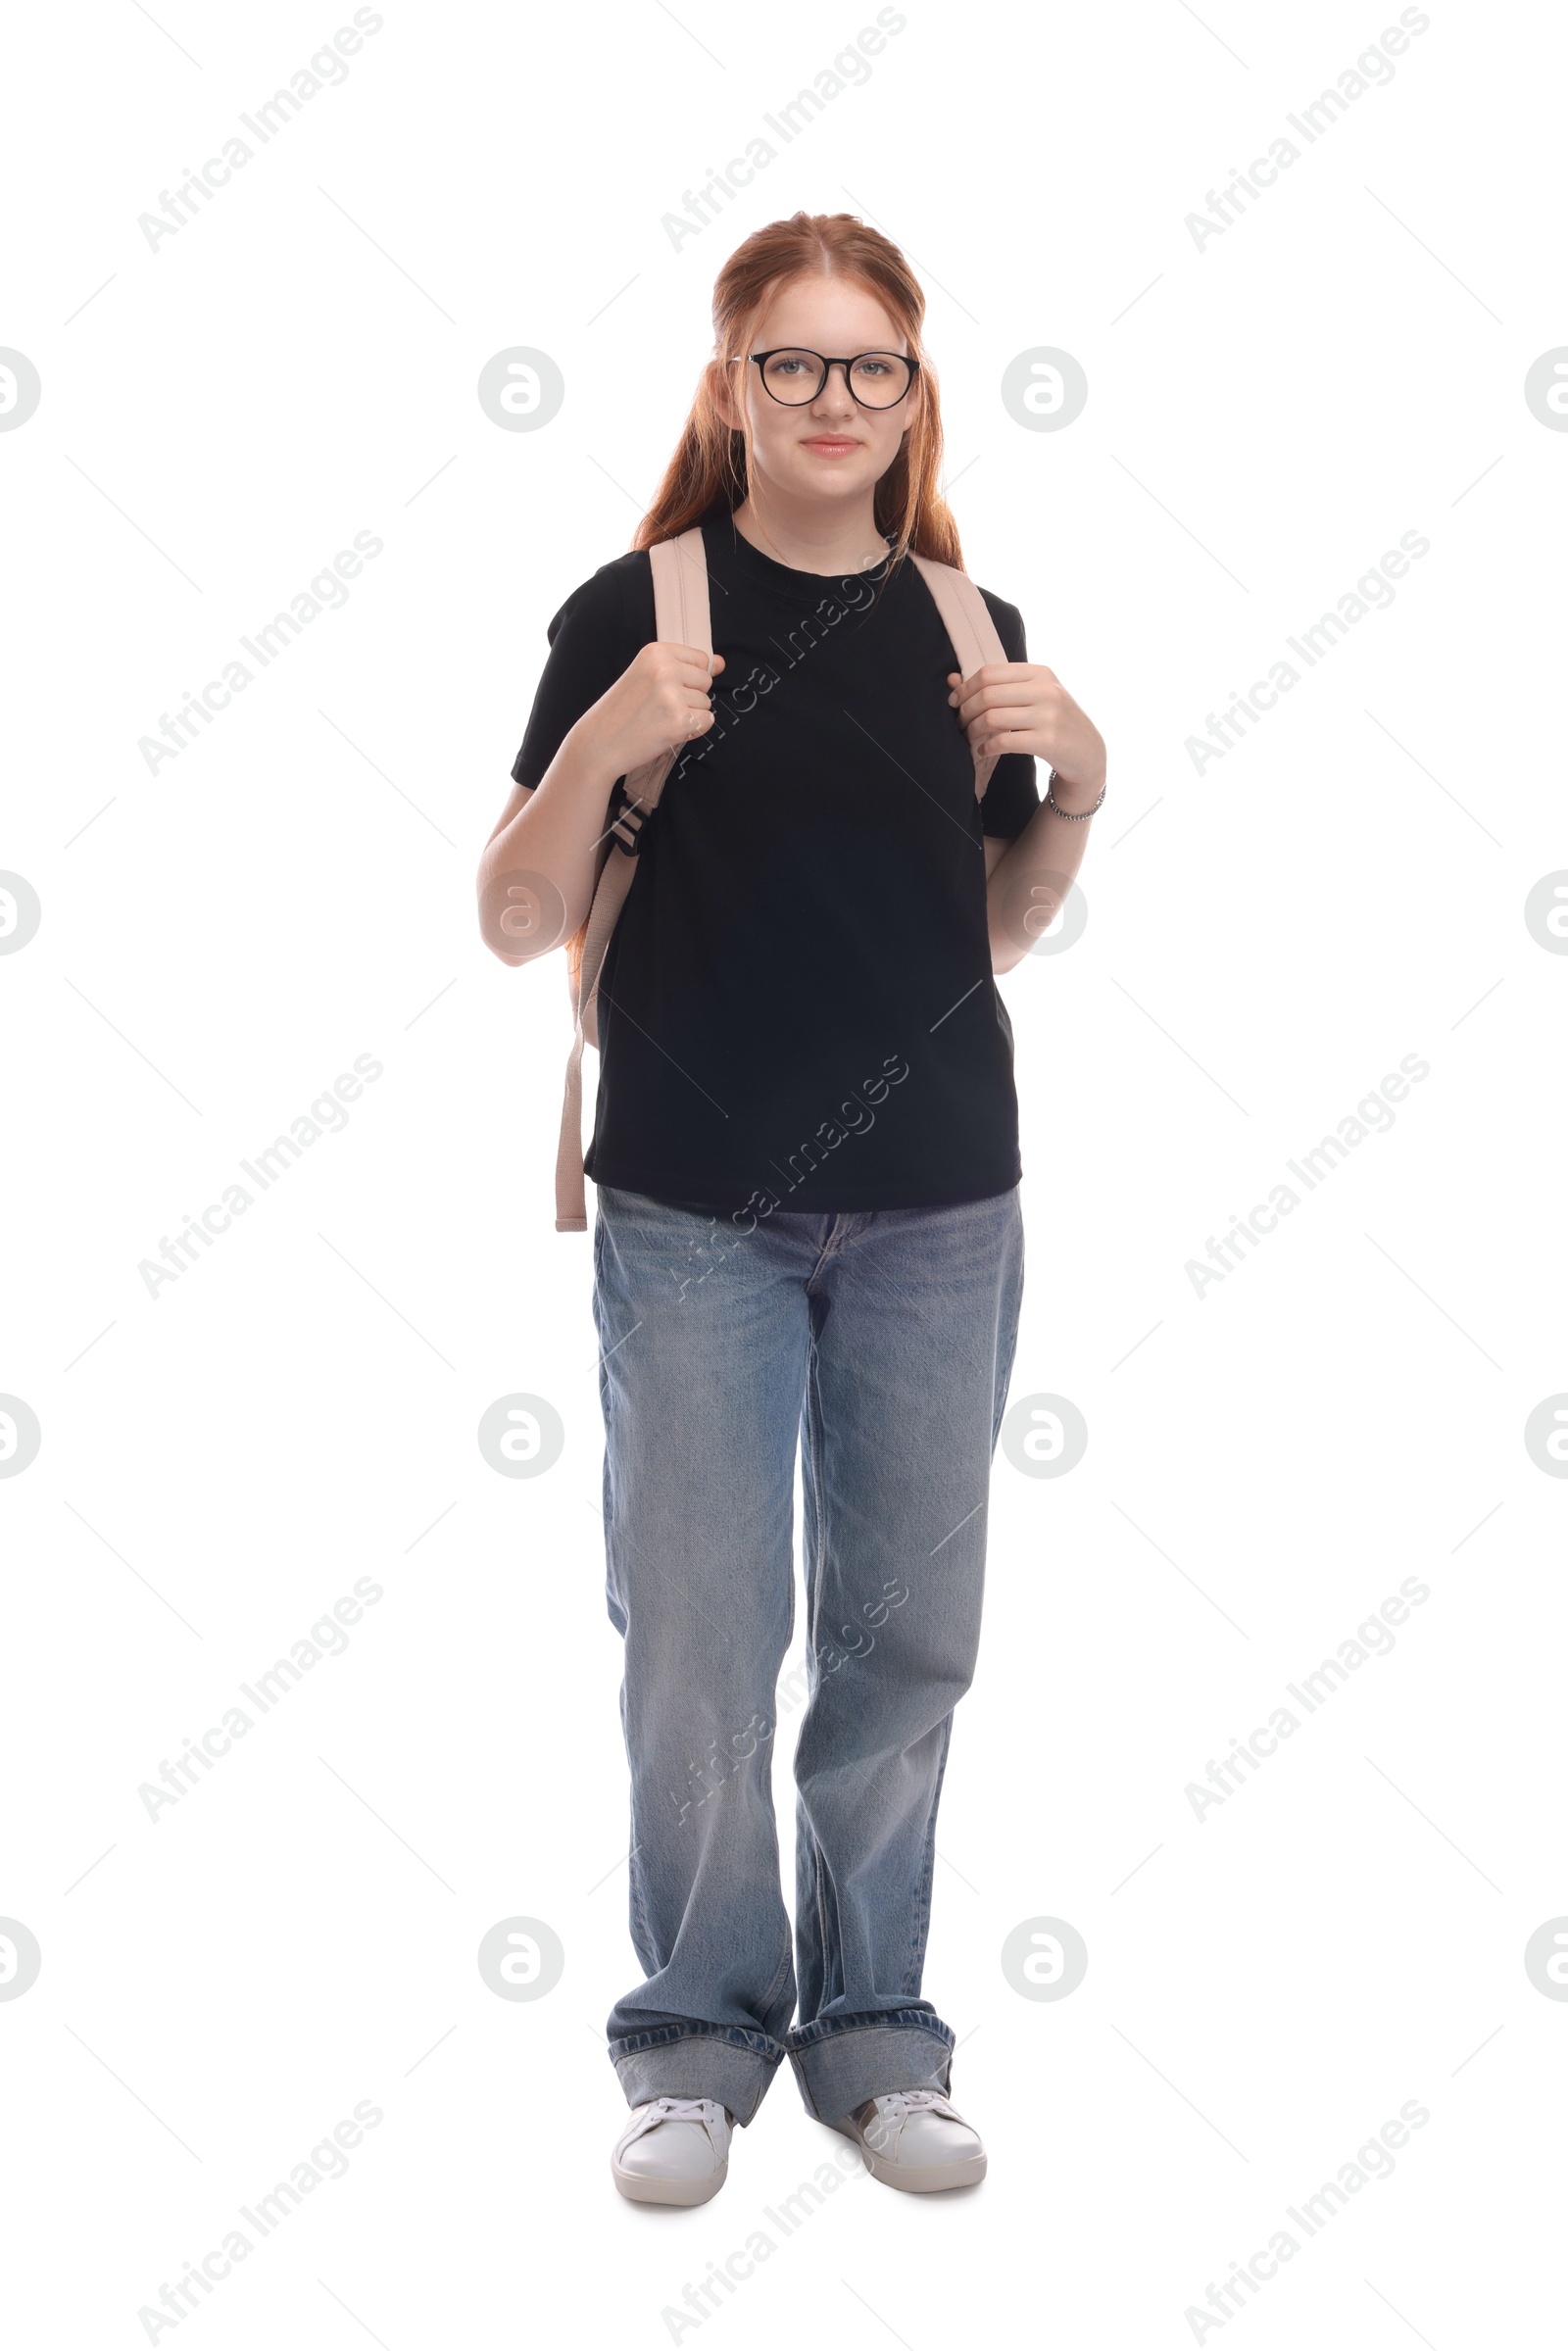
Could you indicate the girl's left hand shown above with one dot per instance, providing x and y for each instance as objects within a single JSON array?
[{"x": 1019, "y": 706}]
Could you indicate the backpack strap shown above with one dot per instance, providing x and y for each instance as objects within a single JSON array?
[
  {"x": 971, "y": 631},
  {"x": 680, "y": 617}
]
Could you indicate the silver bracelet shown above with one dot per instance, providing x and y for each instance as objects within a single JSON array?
[{"x": 1072, "y": 815}]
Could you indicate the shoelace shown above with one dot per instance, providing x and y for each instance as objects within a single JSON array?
[
  {"x": 705, "y": 2111},
  {"x": 891, "y": 2112}
]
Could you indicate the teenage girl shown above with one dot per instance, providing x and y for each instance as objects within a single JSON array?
[{"x": 806, "y": 1155}]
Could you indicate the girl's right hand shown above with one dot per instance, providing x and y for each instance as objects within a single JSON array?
[{"x": 660, "y": 701}]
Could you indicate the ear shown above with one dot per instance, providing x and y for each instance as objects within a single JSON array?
[{"x": 721, "y": 380}]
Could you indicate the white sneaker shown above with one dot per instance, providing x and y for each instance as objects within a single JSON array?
[
  {"x": 915, "y": 2140},
  {"x": 674, "y": 2151}
]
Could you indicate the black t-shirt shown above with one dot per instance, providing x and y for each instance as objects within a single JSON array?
[{"x": 796, "y": 1010}]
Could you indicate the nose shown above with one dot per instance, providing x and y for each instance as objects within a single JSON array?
[{"x": 835, "y": 393}]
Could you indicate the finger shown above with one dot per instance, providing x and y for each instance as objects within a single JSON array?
[
  {"x": 1013, "y": 724},
  {"x": 1006, "y": 731},
  {"x": 1013, "y": 694},
  {"x": 995, "y": 673},
  {"x": 692, "y": 658},
  {"x": 958, "y": 683}
]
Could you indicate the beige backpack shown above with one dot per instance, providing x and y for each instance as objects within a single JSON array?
[{"x": 681, "y": 618}]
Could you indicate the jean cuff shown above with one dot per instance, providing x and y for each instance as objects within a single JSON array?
[
  {"x": 842, "y": 2061},
  {"x": 698, "y": 2061}
]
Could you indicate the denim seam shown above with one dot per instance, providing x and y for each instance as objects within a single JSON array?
[
  {"x": 781, "y": 1974},
  {"x": 1004, "y": 1383},
  {"x": 923, "y": 1902},
  {"x": 830, "y": 1245},
  {"x": 642, "y": 1940},
  {"x": 816, "y": 1560},
  {"x": 1005, "y": 1362},
  {"x": 812, "y": 1543},
  {"x": 666, "y": 2036},
  {"x": 899, "y": 2020}
]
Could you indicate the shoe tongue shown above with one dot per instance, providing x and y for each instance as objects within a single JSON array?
[{"x": 906, "y": 2102}]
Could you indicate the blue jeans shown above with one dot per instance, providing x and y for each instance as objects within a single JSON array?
[{"x": 885, "y": 1339}]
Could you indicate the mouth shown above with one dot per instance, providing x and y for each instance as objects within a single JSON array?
[{"x": 830, "y": 444}]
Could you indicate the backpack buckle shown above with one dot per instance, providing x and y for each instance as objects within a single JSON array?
[{"x": 627, "y": 828}]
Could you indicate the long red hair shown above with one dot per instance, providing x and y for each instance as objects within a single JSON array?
[{"x": 710, "y": 458}]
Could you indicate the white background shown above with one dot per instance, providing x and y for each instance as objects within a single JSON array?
[{"x": 1266, "y": 1464}]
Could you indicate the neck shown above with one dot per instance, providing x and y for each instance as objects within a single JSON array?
[{"x": 812, "y": 534}]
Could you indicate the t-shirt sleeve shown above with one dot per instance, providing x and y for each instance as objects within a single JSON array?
[
  {"x": 1013, "y": 794},
  {"x": 596, "y": 633}
]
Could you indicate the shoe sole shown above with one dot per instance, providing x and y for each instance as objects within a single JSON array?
[
  {"x": 929, "y": 2179},
  {"x": 640, "y": 2187}
]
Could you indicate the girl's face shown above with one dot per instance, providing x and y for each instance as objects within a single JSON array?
[{"x": 832, "y": 448}]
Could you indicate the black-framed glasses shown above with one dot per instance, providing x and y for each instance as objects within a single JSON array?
[{"x": 875, "y": 378}]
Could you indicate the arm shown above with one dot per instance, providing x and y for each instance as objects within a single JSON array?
[
  {"x": 1019, "y": 706},
  {"x": 545, "y": 845}
]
